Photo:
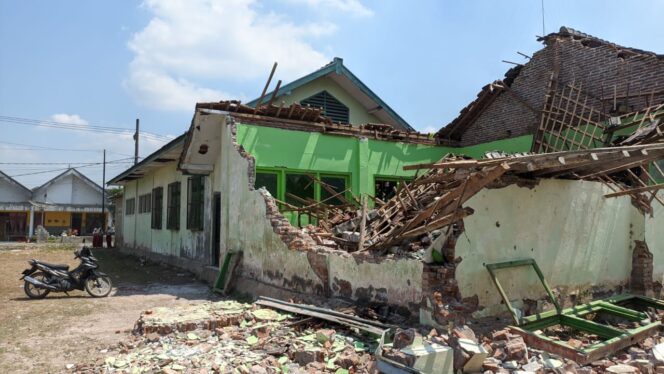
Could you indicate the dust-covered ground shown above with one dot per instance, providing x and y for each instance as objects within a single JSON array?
[{"x": 43, "y": 336}]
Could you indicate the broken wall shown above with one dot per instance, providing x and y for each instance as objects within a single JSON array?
[
  {"x": 582, "y": 241},
  {"x": 654, "y": 234},
  {"x": 251, "y": 225}
]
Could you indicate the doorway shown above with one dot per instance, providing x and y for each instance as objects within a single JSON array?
[
  {"x": 77, "y": 222},
  {"x": 216, "y": 222}
]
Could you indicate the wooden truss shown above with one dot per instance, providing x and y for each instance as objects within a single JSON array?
[{"x": 435, "y": 199}]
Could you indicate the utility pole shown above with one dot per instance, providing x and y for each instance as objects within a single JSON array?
[
  {"x": 103, "y": 199},
  {"x": 136, "y": 143}
]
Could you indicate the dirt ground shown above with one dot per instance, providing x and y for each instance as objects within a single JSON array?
[{"x": 43, "y": 336}]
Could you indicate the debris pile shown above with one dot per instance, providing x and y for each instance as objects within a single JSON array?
[
  {"x": 261, "y": 340},
  {"x": 434, "y": 200},
  {"x": 298, "y": 338},
  {"x": 507, "y": 352},
  {"x": 307, "y": 118}
]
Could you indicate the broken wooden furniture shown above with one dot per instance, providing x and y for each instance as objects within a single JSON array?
[{"x": 628, "y": 308}]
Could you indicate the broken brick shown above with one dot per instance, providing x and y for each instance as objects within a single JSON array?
[{"x": 403, "y": 338}]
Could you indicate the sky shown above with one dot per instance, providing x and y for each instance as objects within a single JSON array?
[{"x": 101, "y": 64}]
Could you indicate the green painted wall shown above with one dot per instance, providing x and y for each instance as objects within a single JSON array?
[
  {"x": 512, "y": 145},
  {"x": 579, "y": 239},
  {"x": 361, "y": 160},
  {"x": 358, "y": 114}
]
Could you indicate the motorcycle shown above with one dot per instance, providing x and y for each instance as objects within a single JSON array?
[{"x": 43, "y": 278}]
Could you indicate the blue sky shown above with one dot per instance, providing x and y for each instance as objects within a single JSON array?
[{"x": 106, "y": 63}]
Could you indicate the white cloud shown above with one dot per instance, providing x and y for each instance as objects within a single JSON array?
[
  {"x": 72, "y": 119},
  {"x": 189, "y": 42},
  {"x": 353, "y": 7},
  {"x": 160, "y": 90}
]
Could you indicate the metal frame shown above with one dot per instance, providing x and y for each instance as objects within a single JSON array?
[{"x": 573, "y": 317}]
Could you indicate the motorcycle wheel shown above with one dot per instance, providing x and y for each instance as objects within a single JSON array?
[
  {"x": 33, "y": 291},
  {"x": 98, "y": 286}
]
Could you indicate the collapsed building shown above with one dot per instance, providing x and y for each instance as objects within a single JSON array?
[{"x": 560, "y": 163}]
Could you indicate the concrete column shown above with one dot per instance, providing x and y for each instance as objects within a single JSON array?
[{"x": 31, "y": 225}]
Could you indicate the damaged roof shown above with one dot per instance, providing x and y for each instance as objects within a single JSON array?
[
  {"x": 304, "y": 118},
  {"x": 592, "y": 41},
  {"x": 489, "y": 93},
  {"x": 338, "y": 72}
]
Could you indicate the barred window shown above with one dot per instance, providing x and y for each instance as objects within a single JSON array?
[
  {"x": 157, "y": 206},
  {"x": 130, "y": 206},
  {"x": 173, "y": 206},
  {"x": 195, "y": 203}
]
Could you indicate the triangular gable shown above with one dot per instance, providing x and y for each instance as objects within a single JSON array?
[
  {"x": 353, "y": 85},
  {"x": 70, "y": 171},
  {"x": 58, "y": 191},
  {"x": 20, "y": 189}
]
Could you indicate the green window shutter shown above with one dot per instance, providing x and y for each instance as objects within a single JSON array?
[{"x": 173, "y": 206}]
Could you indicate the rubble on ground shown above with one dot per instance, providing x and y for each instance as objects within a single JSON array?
[
  {"x": 260, "y": 340},
  {"x": 233, "y": 337}
]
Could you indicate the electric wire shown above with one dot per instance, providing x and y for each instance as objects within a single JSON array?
[
  {"x": 82, "y": 127},
  {"x": 67, "y": 168}
]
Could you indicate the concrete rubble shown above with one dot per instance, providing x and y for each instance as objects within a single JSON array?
[
  {"x": 251, "y": 339},
  {"x": 234, "y": 337}
]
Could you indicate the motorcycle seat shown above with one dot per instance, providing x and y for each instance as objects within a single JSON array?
[{"x": 55, "y": 266}]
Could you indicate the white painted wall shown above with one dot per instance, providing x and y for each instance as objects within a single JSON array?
[
  {"x": 577, "y": 237},
  {"x": 654, "y": 227},
  {"x": 59, "y": 192},
  {"x": 83, "y": 193},
  {"x": 137, "y": 228},
  {"x": 68, "y": 189},
  {"x": 11, "y": 193}
]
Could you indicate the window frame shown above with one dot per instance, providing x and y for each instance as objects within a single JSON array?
[
  {"x": 344, "y": 176},
  {"x": 390, "y": 178},
  {"x": 145, "y": 203},
  {"x": 195, "y": 217},
  {"x": 281, "y": 185},
  {"x": 173, "y": 206},
  {"x": 315, "y": 185},
  {"x": 130, "y": 203},
  {"x": 157, "y": 208},
  {"x": 271, "y": 172}
]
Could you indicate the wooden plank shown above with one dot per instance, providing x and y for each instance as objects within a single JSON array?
[
  {"x": 453, "y": 164},
  {"x": 636, "y": 190},
  {"x": 410, "y": 195},
  {"x": 363, "y": 224},
  {"x": 438, "y": 223}
]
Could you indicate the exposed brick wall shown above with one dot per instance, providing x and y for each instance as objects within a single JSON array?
[
  {"x": 597, "y": 68},
  {"x": 294, "y": 237},
  {"x": 641, "y": 281},
  {"x": 440, "y": 288}
]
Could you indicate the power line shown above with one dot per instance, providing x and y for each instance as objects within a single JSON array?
[
  {"x": 63, "y": 169},
  {"x": 50, "y": 148},
  {"x": 43, "y": 148},
  {"x": 46, "y": 163},
  {"x": 80, "y": 127}
]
